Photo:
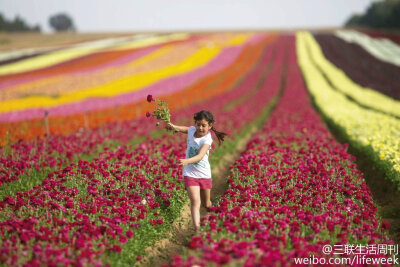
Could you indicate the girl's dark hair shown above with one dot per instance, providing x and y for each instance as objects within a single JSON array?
[{"x": 209, "y": 117}]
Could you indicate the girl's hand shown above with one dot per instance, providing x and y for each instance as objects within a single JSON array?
[
  {"x": 183, "y": 162},
  {"x": 169, "y": 126}
]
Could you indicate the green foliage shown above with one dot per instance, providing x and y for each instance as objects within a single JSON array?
[
  {"x": 61, "y": 22},
  {"x": 384, "y": 14},
  {"x": 16, "y": 25},
  {"x": 162, "y": 111}
]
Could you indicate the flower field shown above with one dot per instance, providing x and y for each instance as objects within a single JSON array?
[
  {"x": 371, "y": 127},
  {"x": 294, "y": 190},
  {"x": 86, "y": 179},
  {"x": 362, "y": 67}
]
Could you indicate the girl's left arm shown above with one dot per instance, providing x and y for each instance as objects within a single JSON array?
[{"x": 197, "y": 158}]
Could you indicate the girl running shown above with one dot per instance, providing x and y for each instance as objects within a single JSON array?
[{"x": 196, "y": 168}]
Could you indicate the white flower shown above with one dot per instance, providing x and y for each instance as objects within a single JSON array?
[{"x": 144, "y": 202}]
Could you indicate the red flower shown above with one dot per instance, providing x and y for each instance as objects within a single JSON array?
[
  {"x": 123, "y": 239},
  {"x": 116, "y": 248},
  {"x": 385, "y": 225},
  {"x": 148, "y": 114},
  {"x": 195, "y": 242},
  {"x": 150, "y": 98},
  {"x": 129, "y": 234}
]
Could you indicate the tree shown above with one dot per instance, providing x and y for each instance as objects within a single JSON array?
[
  {"x": 61, "y": 22},
  {"x": 384, "y": 14}
]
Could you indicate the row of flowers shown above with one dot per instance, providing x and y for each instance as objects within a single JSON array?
[
  {"x": 360, "y": 66},
  {"x": 24, "y": 53},
  {"x": 85, "y": 211},
  {"x": 376, "y": 134},
  {"x": 293, "y": 191},
  {"x": 377, "y": 34},
  {"x": 38, "y": 63},
  {"x": 382, "y": 48},
  {"x": 367, "y": 97},
  {"x": 107, "y": 210}
]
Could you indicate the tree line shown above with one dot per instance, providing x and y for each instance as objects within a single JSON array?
[
  {"x": 16, "y": 25},
  {"x": 58, "y": 22},
  {"x": 384, "y": 14}
]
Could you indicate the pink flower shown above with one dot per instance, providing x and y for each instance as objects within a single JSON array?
[{"x": 148, "y": 114}]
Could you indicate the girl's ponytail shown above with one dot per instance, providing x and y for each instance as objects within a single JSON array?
[
  {"x": 209, "y": 117},
  {"x": 220, "y": 135}
]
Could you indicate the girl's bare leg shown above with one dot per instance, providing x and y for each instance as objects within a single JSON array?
[
  {"x": 205, "y": 197},
  {"x": 195, "y": 202}
]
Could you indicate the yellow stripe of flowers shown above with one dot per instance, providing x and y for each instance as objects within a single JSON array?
[
  {"x": 151, "y": 41},
  {"x": 236, "y": 40},
  {"x": 152, "y": 56},
  {"x": 71, "y": 53},
  {"x": 131, "y": 83},
  {"x": 371, "y": 131},
  {"x": 342, "y": 82}
]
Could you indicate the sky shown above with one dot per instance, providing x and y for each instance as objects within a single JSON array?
[{"x": 181, "y": 15}]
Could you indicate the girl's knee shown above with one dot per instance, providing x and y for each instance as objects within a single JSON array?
[{"x": 196, "y": 203}]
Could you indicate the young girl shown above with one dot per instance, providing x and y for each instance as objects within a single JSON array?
[{"x": 196, "y": 168}]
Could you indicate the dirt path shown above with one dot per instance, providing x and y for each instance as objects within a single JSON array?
[{"x": 164, "y": 249}]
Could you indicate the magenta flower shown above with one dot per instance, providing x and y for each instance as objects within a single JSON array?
[
  {"x": 116, "y": 248},
  {"x": 385, "y": 225},
  {"x": 129, "y": 234},
  {"x": 150, "y": 98},
  {"x": 148, "y": 114}
]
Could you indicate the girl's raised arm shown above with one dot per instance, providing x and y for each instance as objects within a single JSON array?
[{"x": 182, "y": 129}]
